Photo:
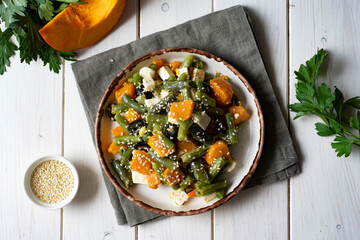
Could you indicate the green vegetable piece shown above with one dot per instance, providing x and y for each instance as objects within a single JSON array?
[
  {"x": 117, "y": 108},
  {"x": 231, "y": 134},
  {"x": 132, "y": 104},
  {"x": 122, "y": 140},
  {"x": 141, "y": 99},
  {"x": 185, "y": 92},
  {"x": 193, "y": 154},
  {"x": 157, "y": 118},
  {"x": 186, "y": 182},
  {"x": 211, "y": 188},
  {"x": 199, "y": 171},
  {"x": 163, "y": 161},
  {"x": 158, "y": 170},
  {"x": 122, "y": 122},
  {"x": 125, "y": 157},
  {"x": 152, "y": 66},
  {"x": 187, "y": 62},
  {"x": 167, "y": 142},
  {"x": 199, "y": 85},
  {"x": 184, "y": 129},
  {"x": 176, "y": 186},
  {"x": 203, "y": 97},
  {"x": 161, "y": 106},
  {"x": 220, "y": 194},
  {"x": 216, "y": 167},
  {"x": 183, "y": 77},
  {"x": 137, "y": 79},
  {"x": 124, "y": 174},
  {"x": 175, "y": 86}
]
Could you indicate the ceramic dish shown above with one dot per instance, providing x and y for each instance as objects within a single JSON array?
[
  {"x": 30, "y": 193},
  {"x": 247, "y": 152}
]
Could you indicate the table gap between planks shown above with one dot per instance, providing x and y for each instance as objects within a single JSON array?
[{"x": 46, "y": 116}]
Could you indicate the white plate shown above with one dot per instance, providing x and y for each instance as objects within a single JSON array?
[{"x": 246, "y": 153}]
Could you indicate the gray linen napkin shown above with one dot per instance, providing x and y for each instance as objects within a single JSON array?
[{"x": 227, "y": 34}]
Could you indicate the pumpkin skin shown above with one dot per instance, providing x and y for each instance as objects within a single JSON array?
[{"x": 79, "y": 26}]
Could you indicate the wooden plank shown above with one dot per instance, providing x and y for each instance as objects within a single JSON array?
[
  {"x": 156, "y": 16},
  {"x": 30, "y": 127},
  {"x": 91, "y": 215},
  {"x": 325, "y": 197},
  {"x": 261, "y": 212}
]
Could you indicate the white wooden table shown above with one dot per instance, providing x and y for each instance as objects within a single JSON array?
[{"x": 41, "y": 113}]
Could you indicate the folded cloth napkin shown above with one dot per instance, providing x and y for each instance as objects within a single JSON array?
[{"x": 226, "y": 34}]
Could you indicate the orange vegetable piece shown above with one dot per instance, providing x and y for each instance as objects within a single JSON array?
[
  {"x": 141, "y": 162},
  {"x": 222, "y": 91},
  {"x": 159, "y": 63},
  {"x": 174, "y": 65},
  {"x": 132, "y": 115},
  {"x": 173, "y": 177},
  {"x": 239, "y": 113},
  {"x": 192, "y": 193},
  {"x": 182, "y": 110},
  {"x": 127, "y": 88},
  {"x": 153, "y": 180},
  {"x": 81, "y": 25},
  {"x": 114, "y": 149},
  {"x": 118, "y": 131},
  {"x": 159, "y": 147},
  {"x": 218, "y": 149},
  {"x": 186, "y": 146}
]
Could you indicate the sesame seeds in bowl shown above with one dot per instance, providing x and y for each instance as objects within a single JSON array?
[{"x": 51, "y": 182}]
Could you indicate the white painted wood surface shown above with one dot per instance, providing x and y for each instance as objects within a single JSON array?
[{"x": 42, "y": 114}]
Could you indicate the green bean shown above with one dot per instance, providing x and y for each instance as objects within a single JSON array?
[
  {"x": 146, "y": 136},
  {"x": 172, "y": 165},
  {"x": 122, "y": 122},
  {"x": 208, "y": 76},
  {"x": 199, "y": 85},
  {"x": 172, "y": 157},
  {"x": 186, "y": 182},
  {"x": 158, "y": 170},
  {"x": 122, "y": 140},
  {"x": 185, "y": 92},
  {"x": 216, "y": 167},
  {"x": 123, "y": 173},
  {"x": 214, "y": 111},
  {"x": 198, "y": 64},
  {"x": 189, "y": 189},
  {"x": 156, "y": 128},
  {"x": 199, "y": 184},
  {"x": 203, "y": 97},
  {"x": 199, "y": 171},
  {"x": 160, "y": 106},
  {"x": 184, "y": 129},
  {"x": 175, "y": 86},
  {"x": 157, "y": 118},
  {"x": 125, "y": 156},
  {"x": 132, "y": 104},
  {"x": 211, "y": 188},
  {"x": 220, "y": 177},
  {"x": 193, "y": 154},
  {"x": 115, "y": 108},
  {"x": 167, "y": 142},
  {"x": 176, "y": 186},
  {"x": 220, "y": 194},
  {"x": 171, "y": 78},
  {"x": 183, "y": 77},
  {"x": 152, "y": 66},
  {"x": 231, "y": 132},
  {"x": 137, "y": 79},
  {"x": 187, "y": 62}
]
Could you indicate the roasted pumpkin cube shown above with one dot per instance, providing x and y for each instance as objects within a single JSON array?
[
  {"x": 174, "y": 65},
  {"x": 222, "y": 91},
  {"x": 127, "y": 88},
  {"x": 186, "y": 146},
  {"x": 173, "y": 177},
  {"x": 153, "y": 180},
  {"x": 239, "y": 113},
  {"x": 218, "y": 149},
  {"x": 182, "y": 110},
  {"x": 114, "y": 149},
  {"x": 132, "y": 115},
  {"x": 118, "y": 131},
  {"x": 141, "y": 162},
  {"x": 159, "y": 147},
  {"x": 159, "y": 63}
]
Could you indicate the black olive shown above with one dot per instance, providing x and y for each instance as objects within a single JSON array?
[
  {"x": 139, "y": 90},
  {"x": 188, "y": 171},
  {"x": 148, "y": 95},
  {"x": 134, "y": 127},
  {"x": 171, "y": 131},
  {"x": 207, "y": 88},
  {"x": 220, "y": 125},
  {"x": 142, "y": 147},
  {"x": 108, "y": 111}
]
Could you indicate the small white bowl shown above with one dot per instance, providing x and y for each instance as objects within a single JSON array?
[{"x": 32, "y": 196}]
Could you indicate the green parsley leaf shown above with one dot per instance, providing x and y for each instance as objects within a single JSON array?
[
  {"x": 338, "y": 104},
  {"x": 8, "y": 8},
  {"x": 354, "y": 122},
  {"x": 323, "y": 130},
  {"x": 342, "y": 146},
  {"x": 46, "y": 10},
  {"x": 353, "y": 102},
  {"x": 324, "y": 97},
  {"x": 7, "y": 49}
]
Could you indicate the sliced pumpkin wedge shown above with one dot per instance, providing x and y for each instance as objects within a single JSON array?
[{"x": 81, "y": 25}]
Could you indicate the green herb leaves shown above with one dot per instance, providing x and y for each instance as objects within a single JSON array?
[
  {"x": 328, "y": 106},
  {"x": 23, "y": 19}
]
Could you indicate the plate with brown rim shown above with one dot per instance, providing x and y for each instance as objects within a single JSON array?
[{"x": 246, "y": 153}]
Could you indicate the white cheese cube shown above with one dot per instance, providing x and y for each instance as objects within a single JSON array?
[
  {"x": 180, "y": 71},
  {"x": 152, "y": 101},
  {"x": 198, "y": 73},
  {"x": 209, "y": 197},
  {"x": 149, "y": 84},
  {"x": 204, "y": 120},
  {"x": 147, "y": 72},
  {"x": 139, "y": 178},
  {"x": 165, "y": 73},
  {"x": 178, "y": 196}
]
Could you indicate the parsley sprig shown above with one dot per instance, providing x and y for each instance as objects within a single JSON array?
[
  {"x": 22, "y": 20},
  {"x": 328, "y": 106}
]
